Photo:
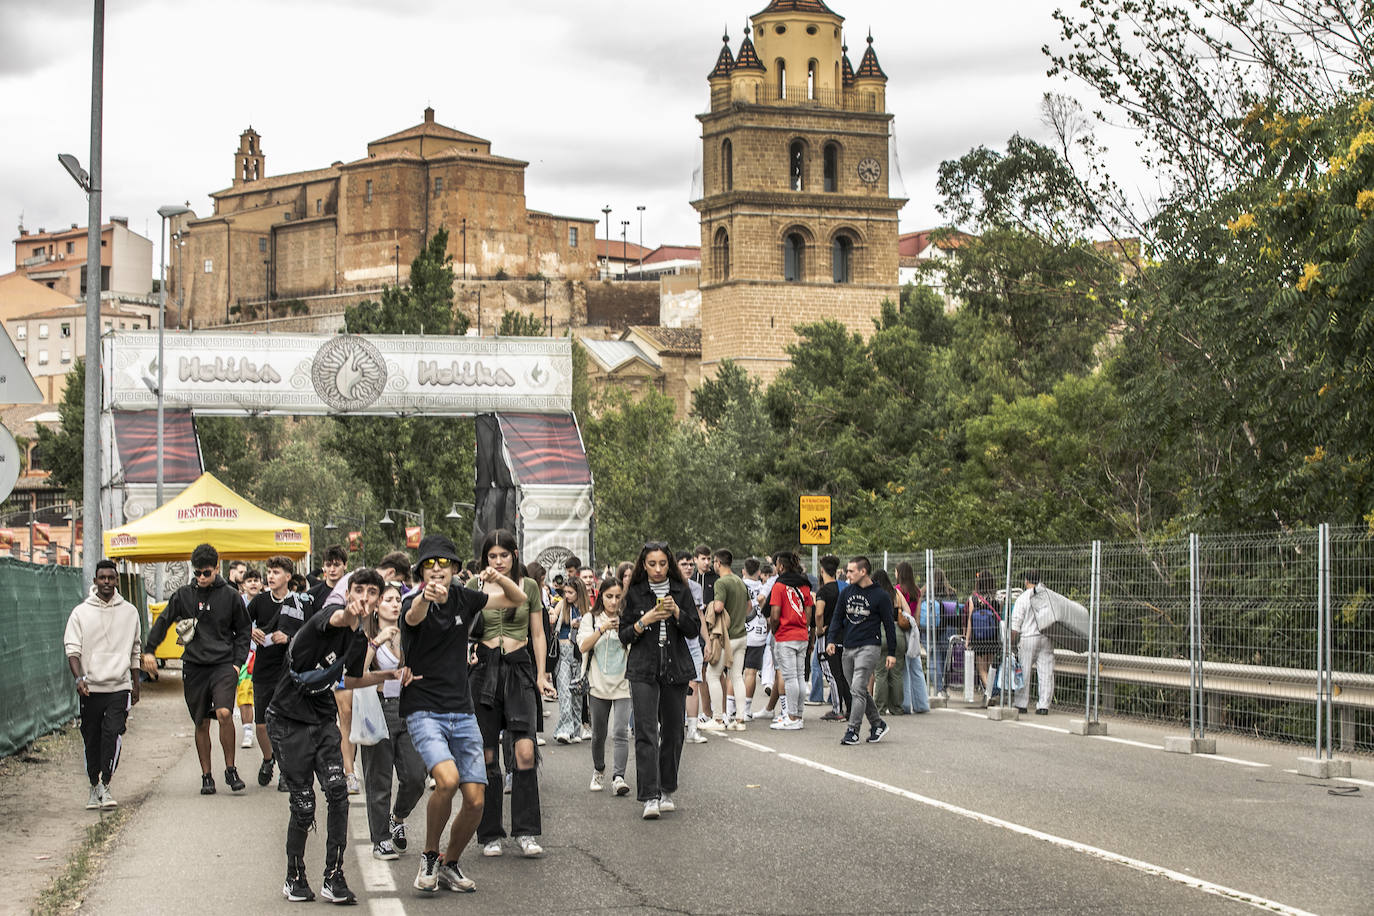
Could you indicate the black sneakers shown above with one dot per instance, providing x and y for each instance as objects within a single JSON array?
[
  {"x": 336, "y": 890},
  {"x": 398, "y": 834},
  {"x": 207, "y": 784},
  {"x": 851, "y": 736},
  {"x": 265, "y": 771},
  {"x": 231, "y": 779},
  {"x": 875, "y": 734},
  {"x": 1042, "y": 712},
  {"x": 296, "y": 889}
]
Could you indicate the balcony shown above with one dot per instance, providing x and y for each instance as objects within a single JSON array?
[
  {"x": 798, "y": 97},
  {"x": 36, "y": 260}
]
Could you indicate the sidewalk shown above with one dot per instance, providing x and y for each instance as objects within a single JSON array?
[{"x": 43, "y": 799}]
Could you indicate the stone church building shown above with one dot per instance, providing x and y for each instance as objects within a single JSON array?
[
  {"x": 357, "y": 225},
  {"x": 797, "y": 223}
]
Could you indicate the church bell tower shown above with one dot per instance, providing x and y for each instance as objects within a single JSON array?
[{"x": 797, "y": 221}]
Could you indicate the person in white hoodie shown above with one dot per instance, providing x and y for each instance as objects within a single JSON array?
[{"x": 103, "y": 653}]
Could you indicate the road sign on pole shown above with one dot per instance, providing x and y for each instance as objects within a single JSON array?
[{"x": 814, "y": 512}]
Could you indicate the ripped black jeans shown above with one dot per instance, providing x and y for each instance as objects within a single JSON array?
[{"x": 304, "y": 752}]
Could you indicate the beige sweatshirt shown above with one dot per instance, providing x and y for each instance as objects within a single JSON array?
[{"x": 104, "y": 635}]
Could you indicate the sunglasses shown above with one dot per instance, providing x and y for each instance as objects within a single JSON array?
[
  {"x": 656, "y": 545},
  {"x": 400, "y": 585},
  {"x": 202, "y": 573},
  {"x": 437, "y": 562}
]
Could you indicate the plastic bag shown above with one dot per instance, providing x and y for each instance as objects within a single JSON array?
[
  {"x": 1015, "y": 675},
  {"x": 369, "y": 723}
]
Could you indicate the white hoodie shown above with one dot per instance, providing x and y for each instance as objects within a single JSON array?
[{"x": 104, "y": 635}]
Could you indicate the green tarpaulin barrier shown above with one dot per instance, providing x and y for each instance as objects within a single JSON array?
[{"x": 36, "y": 691}]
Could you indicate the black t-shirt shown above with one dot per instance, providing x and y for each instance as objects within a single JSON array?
[
  {"x": 707, "y": 581},
  {"x": 829, "y": 592},
  {"x": 319, "y": 594},
  {"x": 317, "y": 644},
  {"x": 269, "y": 615},
  {"x": 437, "y": 652}
]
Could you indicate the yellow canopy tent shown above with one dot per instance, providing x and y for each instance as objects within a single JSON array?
[{"x": 207, "y": 512}]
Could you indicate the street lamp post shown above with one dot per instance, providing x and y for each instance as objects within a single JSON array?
[
  {"x": 640, "y": 208},
  {"x": 548, "y": 328},
  {"x": 386, "y": 521},
  {"x": 464, "y": 230},
  {"x": 267, "y": 292},
  {"x": 607, "y": 210},
  {"x": 90, "y": 183},
  {"x": 165, "y": 212},
  {"x": 398, "y": 265},
  {"x": 624, "y": 249}
]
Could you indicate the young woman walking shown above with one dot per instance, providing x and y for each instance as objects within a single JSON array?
[
  {"x": 394, "y": 753},
  {"x": 658, "y": 619},
  {"x": 570, "y": 609},
  {"x": 505, "y": 685},
  {"x": 603, "y": 660}
]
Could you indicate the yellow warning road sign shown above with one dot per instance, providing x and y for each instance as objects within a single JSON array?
[{"x": 814, "y": 512}]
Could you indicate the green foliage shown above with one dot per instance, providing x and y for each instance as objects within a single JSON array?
[
  {"x": 63, "y": 448},
  {"x": 520, "y": 324}
]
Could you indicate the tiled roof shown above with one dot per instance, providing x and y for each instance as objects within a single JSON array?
[
  {"x": 748, "y": 58},
  {"x": 912, "y": 244},
  {"x": 674, "y": 253},
  {"x": 671, "y": 341},
  {"x": 725, "y": 62},
  {"x": 799, "y": 6},
  {"x": 78, "y": 310},
  {"x": 617, "y": 250},
  {"x": 278, "y": 181},
  {"x": 847, "y": 68},
  {"x": 431, "y": 129},
  {"x": 868, "y": 67}
]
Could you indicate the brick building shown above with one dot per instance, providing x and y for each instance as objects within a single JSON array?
[
  {"x": 57, "y": 260},
  {"x": 358, "y": 225},
  {"x": 796, "y": 219}
]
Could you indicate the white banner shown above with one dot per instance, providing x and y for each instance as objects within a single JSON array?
[{"x": 234, "y": 374}]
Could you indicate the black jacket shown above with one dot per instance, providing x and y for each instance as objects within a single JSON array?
[
  {"x": 223, "y": 631},
  {"x": 643, "y": 664}
]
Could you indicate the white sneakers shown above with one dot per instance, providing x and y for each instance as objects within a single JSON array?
[
  {"x": 492, "y": 849},
  {"x": 651, "y": 810},
  {"x": 714, "y": 725},
  {"x": 735, "y": 725},
  {"x": 528, "y": 847},
  {"x": 665, "y": 803},
  {"x": 598, "y": 782},
  {"x": 620, "y": 786},
  {"x": 786, "y": 724},
  {"x": 106, "y": 799},
  {"x": 93, "y": 802}
]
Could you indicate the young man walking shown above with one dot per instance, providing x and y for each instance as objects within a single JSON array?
[
  {"x": 275, "y": 615},
  {"x": 103, "y": 653},
  {"x": 301, "y": 723},
  {"x": 437, "y": 625},
  {"x": 731, "y": 597},
  {"x": 862, "y": 609},
  {"x": 216, "y": 638}
]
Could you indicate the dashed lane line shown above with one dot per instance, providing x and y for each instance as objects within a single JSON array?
[
  {"x": 1047, "y": 728},
  {"x": 1153, "y": 747},
  {"x": 377, "y": 877},
  {"x": 386, "y": 906},
  {"x": 1072, "y": 845},
  {"x": 1235, "y": 760}
]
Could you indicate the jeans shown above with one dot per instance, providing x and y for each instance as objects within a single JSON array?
[
  {"x": 305, "y": 753},
  {"x": 915, "y": 697},
  {"x": 1037, "y": 652},
  {"x": 569, "y": 699},
  {"x": 888, "y": 684},
  {"x": 617, "y": 713},
  {"x": 736, "y": 671},
  {"x": 840, "y": 682},
  {"x": 396, "y": 753},
  {"x": 660, "y": 711},
  {"x": 820, "y": 665},
  {"x": 791, "y": 661},
  {"x": 440, "y": 736},
  {"x": 859, "y": 664},
  {"x": 818, "y": 679}
]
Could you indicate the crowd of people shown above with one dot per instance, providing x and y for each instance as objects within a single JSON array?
[{"x": 447, "y": 668}]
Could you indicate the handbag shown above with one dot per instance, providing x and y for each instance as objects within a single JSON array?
[
  {"x": 186, "y": 630},
  {"x": 369, "y": 722}
]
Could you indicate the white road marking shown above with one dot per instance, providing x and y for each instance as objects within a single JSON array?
[
  {"x": 376, "y": 873},
  {"x": 361, "y": 832},
  {"x": 752, "y": 746},
  {"x": 1235, "y": 760},
  {"x": 1153, "y": 747},
  {"x": 1048, "y": 728},
  {"x": 387, "y": 906},
  {"x": 1072, "y": 845}
]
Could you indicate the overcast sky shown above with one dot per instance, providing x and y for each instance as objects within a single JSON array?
[{"x": 598, "y": 96}]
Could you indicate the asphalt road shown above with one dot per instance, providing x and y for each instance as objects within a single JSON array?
[{"x": 949, "y": 813}]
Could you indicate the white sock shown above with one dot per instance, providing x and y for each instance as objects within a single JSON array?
[
  {"x": 729, "y": 707},
  {"x": 782, "y": 705},
  {"x": 748, "y": 702}
]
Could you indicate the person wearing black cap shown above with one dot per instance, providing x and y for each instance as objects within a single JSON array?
[{"x": 437, "y": 624}]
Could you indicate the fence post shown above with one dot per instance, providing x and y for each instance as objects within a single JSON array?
[
  {"x": 1089, "y": 724},
  {"x": 1323, "y": 766},
  {"x": 931, "y": 652},
  {"x": 1006, "y": 708},
  {"x": 1195, "y": 743}
]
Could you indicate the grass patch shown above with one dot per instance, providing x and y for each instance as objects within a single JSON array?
[{"x": 65, "y": 891}]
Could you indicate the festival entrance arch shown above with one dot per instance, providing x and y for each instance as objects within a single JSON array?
[{"x": 532, "y": 476}]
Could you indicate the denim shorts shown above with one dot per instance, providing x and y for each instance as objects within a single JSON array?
[
  {"x": 694, "y": 646},
  {"x": 440, "y": 736}
]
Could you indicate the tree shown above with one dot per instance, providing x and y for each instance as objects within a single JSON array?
[
  {"x": 62, "y": 448},
  {"x": 520, "y": 324},
  {"x": 413, "y": 463}
]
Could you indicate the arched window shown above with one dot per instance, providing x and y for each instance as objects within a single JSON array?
[
  {"x": 793, "y": 257},
  {"x": 780, "y": 67},
  {"x": 727, "y": 165},
  {"x": 720, "y": 254},
  {"x": 832, "y": 167},
  {"x": 796, "y": 165},
  {"x": 842, "y": 259},
  {"x": 812, "y": 78}
]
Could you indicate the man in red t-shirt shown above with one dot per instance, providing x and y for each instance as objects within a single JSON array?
[{"x": 790, "y": 609}]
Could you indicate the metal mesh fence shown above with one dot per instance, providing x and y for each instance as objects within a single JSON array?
[
  {"x": 36, "y": 693},
  {"x": 1259, "y": 604}
]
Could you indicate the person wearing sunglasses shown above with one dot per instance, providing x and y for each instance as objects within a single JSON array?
[
  {"x": 437, "y": 624},
  {"x": 658, "y": 619},
  {"x": 216, "y": 646}
]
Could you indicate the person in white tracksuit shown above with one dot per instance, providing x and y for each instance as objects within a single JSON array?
[{"x": 1033, "y": 649}]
